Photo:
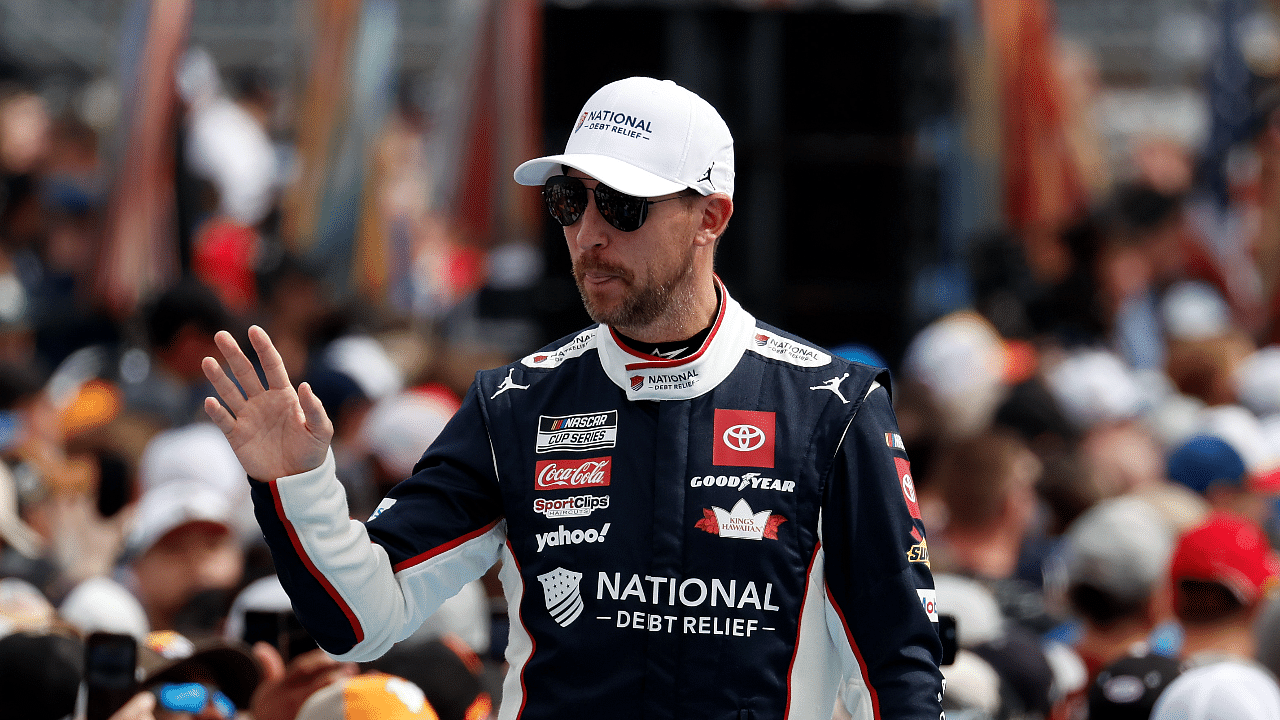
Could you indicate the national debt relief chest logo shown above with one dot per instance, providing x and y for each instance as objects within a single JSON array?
[{"x": 560, "y": 590}]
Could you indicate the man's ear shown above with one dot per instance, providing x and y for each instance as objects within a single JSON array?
[{"x": 716, "y": 211}]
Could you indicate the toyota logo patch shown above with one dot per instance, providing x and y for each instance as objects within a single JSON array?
[{"x": 743, "y": 438}]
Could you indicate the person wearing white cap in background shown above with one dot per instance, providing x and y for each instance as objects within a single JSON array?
[
  {"x": 1228, "y": 690},
  {"x": 198, "y": 453},
  {"x": 599, "y": 470},
  {"x": 182, "y": 543}
]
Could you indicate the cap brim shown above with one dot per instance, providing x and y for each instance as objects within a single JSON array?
[
  {"x": 615, "y": 173},
  {"x": 231, "y": 663}
]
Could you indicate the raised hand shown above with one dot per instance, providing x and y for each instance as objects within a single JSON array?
[{"x": 274, "y": 431}]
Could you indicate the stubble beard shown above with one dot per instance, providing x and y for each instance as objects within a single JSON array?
[{"x": 642, "y": 305}]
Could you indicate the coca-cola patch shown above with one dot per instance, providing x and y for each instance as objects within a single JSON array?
[{"x": 571, "y": 474}]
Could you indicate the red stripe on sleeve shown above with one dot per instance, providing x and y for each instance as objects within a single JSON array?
[
  {"x": 423, "y": 557},
  {"x": 533, "y": 644},
  {"x": 311, "y": 567},
  {"x": 862, "y": 664}
]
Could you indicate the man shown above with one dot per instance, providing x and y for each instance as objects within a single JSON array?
[
  {"x": 1222, "y": 574},
  {"x": 181, "y": 554},
  {"x": 1116, "y": 557},
  {"x": 697, "y": 514},
  {"x": 1213, "y": 468}
]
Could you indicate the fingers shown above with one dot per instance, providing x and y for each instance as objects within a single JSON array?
[
  {"x": 313, "y": 410},
  {"x": 269, "y": 357},
  {"x": 219, "y": 415},
  {"x": 225, "y": 388},
  {"x": 239, "y": 364},
  {"x": 316, "y": 667},
  {"x": 270, "y": 661}
]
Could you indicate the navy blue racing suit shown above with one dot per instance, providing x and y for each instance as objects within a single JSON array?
[{"x": 730, "y": 535}]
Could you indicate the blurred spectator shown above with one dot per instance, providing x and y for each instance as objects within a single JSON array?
[
  {"x": 183, "y": 552},
  {"x": 167, "y": 385},
  {"x": 1205, "y": 347},
  {"x": 226, "y": 143},
  {"x": 983, "y": 502},
  {"x": 1127, "y": 689},
  {"x": 447, "y": 671},
  {"x": 1211, "y": 467},
  {"x": 293, "y": 305},
  {"x": 199, "y": 453},
  {"x": 1142, "y": 253},
  {"x": 292, "y": 667},
  {"x": 1221, "y": 572},
  {"x": 1257, "y": 382},
  {"x": 978, "y": 616},
  {"x": 960, "y": 361},
  {"x": 39, "y": 675},
  {"x": 1229, "y": 690},
  {"x": 1116, "y": 560},
  {"x": 1027, "y": 678},
  {"x": 103, "y": 605},
  {"x": 973, "y": 689},
  {"x": 1123, "y": 457},
  {"x": 980, "y": 507},
  {"x": 1267, "y": 631},
  {"x": 365, "y": 360},
  {"x": 396, "y": 433},
  {"x": 1001, "y": 670},
  {"x": 195, "y": 678},
  {"x": 1094, "y": 387},
  {"x": 1032, "y": 411},
  {"x": 20, "y": 544},
  {"x": 23, "y": 608},
  {"x": 262, "y": 612},
  {"x": 372, "y": 695}
]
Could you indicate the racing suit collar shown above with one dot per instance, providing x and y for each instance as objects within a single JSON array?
[{"x": 688, "y": 377}]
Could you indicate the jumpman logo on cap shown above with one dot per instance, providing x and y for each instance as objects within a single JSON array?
[{"x": 706, "y": 177}]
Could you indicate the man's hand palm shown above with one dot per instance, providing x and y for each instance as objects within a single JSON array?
[{"x": 273, "y": 430}]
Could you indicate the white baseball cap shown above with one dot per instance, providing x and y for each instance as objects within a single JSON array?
[
  {"x": 644, "y": 137},
  {"x": 173, "y": 504},
  {"x": 1228, "y": 690}
]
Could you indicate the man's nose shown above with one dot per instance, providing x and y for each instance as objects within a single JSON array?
[{"x": 592, "y": 229}]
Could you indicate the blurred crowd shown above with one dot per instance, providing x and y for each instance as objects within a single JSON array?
[
  {"x": 1095, "y": 445},
  {"x": 123, "y": 510},
  {"x": 1094, "y": 442}
]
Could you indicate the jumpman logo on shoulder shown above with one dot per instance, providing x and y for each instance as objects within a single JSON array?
[
  {"x": 508, "y": 384},
  {"x": 706, "y": 176},
  {"x": 834, "y": 386}
]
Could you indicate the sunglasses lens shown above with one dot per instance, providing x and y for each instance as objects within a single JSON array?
[
  {"x": 623, "y": 211},
  {"x": 566, "y": 198}
]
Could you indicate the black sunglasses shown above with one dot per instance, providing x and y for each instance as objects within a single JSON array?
[{"x": 566, "y": 200}]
